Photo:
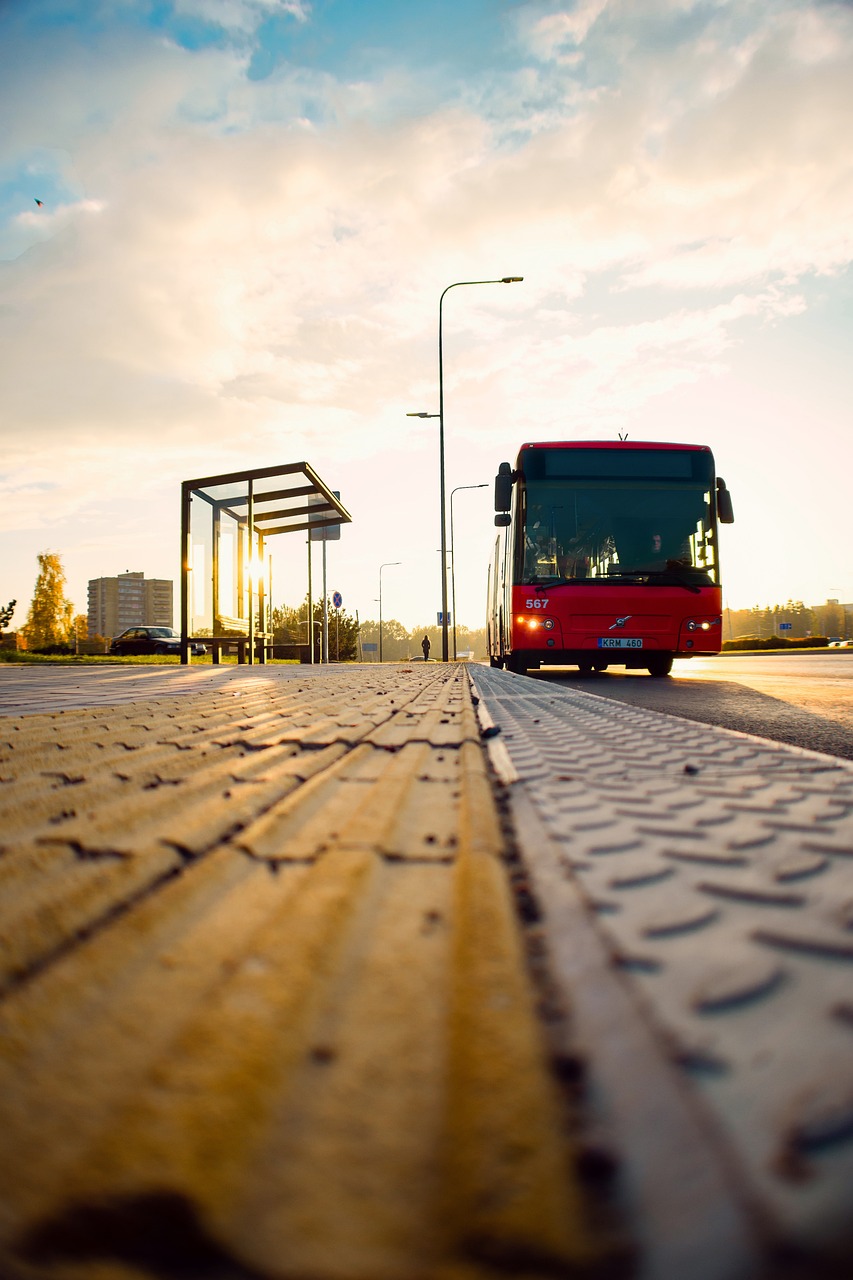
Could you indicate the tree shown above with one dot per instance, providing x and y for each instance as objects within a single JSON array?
[
  {"x": 6, "y": 612},
  {"x": 289, "y": 626},
  {"x": 802, "y": 620},
  {"x": 343, "y": 636},
  {"x": 469, "y": 640},
  {"x": 49, "y": 618},
  {"x": 830, "y": 619},
  {"x": 79, "y": 630},
  {"x": 396, "y": 645}
]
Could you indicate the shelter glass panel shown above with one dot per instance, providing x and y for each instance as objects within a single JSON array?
[
  {"x": 201, "y": 566},
  {"x": 231, "y": 537}
]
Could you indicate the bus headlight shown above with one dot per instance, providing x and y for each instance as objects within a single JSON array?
[
  {"x": 533, "y": 624},
  {"x": 704, "y": 624}
]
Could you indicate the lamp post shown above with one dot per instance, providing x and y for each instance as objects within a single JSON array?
[
  {"x": 456, "y": 284},
  {"x": 386, "y": 565},
  {"x": 453, "y": 558}
]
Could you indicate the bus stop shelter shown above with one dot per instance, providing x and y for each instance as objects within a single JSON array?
[{"x": 226, "y": 521}]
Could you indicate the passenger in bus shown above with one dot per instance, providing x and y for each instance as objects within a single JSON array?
[
  {"x": 540, "y": 551},
  {"x": 651, "y": 548},
  {"x": 665, "y": 552},
  {"x": 575, "y": 563},
  {"x": 652, "y": 556}
]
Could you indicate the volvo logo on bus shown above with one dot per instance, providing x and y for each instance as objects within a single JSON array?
[{"x": 620, "y": 622}]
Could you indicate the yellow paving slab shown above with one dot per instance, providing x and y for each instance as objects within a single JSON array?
[
  {"x": 353, "y": 1147},
  {"x": 311, "y": 1049},
  {"x": 82, "y": 1040},
  {"x": 403, "y": 804},
  {"x": 508, "y": 1193},
  {"x": 48, "y": 895}
]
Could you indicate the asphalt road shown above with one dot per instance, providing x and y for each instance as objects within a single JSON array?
[{"x": 805, "y": 700}]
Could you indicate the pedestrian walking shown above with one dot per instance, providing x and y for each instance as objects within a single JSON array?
[{"x": 425, "y": 645}]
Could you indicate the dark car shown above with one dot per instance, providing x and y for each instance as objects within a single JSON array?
[{"x": 152, "y": 640}]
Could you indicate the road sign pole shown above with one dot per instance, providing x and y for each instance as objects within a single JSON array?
[
  {"x": 325, "y": 610},
  {"x": 310, "y": 607},
  {"x": 337, "y": 601}
]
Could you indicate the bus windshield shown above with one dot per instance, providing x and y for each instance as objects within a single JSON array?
[{"x": 609, "y": 515}]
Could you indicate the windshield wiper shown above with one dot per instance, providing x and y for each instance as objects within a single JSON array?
[
  {"x": 550, "y": 581},
  {"x": 675, "y": 579}
]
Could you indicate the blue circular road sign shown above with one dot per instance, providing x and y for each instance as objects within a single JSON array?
[{"x": 337, "y": 599}]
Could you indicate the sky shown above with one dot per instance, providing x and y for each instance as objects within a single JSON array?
[{"x": 250, "y": 209}]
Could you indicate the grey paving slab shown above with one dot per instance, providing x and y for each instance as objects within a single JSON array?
[{"x": 701, "y": 881}]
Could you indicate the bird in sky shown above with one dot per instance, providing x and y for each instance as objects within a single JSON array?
[{"x": 40, "y": 203}]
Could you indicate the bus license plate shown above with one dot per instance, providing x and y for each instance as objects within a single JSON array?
[{"x": 619, "y": 642}]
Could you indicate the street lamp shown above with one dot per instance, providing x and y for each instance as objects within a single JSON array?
[
  {"x": 386, "y": 565},
  {"x": 455, "y": 285},
  {"x": 453, "y": 559},
  {"x": 502, "y": 279}
]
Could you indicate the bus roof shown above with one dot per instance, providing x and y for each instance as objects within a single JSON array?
[{"x": 613, "y": 444}]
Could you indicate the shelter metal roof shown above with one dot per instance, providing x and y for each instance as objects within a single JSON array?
[{"x": 284, "y": 499}]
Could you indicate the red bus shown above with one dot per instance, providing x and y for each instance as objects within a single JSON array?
[{"x": 608, "y": 556}]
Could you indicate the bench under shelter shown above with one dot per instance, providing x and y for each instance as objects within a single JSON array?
[{"x": 226, "y": 573}]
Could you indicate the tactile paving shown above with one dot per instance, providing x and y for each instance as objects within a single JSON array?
[
  {"x": 265, "y": 1008},
  {"x": 717, "y": 871}
]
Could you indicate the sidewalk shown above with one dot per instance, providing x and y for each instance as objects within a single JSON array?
[
  {"x": 266, "y": 1008},
  {"x": 415, "y": 973}
]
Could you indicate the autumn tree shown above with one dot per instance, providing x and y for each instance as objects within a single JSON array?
[
  {"x": 79, "y": 630},
  {"x": 6, "y": 611},
  {"x": 50, "y": 615}
]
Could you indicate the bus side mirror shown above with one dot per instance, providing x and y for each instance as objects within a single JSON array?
[
  {"x": 503, "y": 520},
  {"x": 503, "y": 488},
  {"x": 725, "y": 510}
]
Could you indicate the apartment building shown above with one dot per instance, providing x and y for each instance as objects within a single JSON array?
[{"x": 129, "y": 600}]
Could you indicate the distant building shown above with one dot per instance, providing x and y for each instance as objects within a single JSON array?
[{"x": 129, "y": 600}]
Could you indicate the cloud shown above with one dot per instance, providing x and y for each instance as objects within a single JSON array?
[
  {"x": 243, "y": 16},
  {"x": 49, "y": 220},
  {"x": 556, "y": 36},
  {"x": 242, "y": 263}
]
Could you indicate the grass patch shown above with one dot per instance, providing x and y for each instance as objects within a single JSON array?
[{"x": 112, "y": 660}]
